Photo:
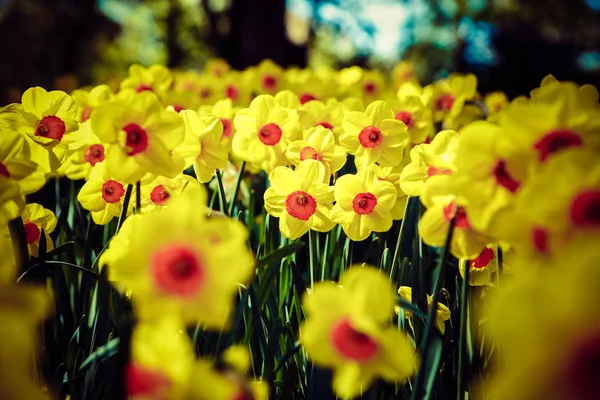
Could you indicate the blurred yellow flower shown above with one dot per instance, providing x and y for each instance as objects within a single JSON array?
[
  {"x": 16, "y": 164},
  {"x": 156, "y": 78},
  {"x": 328, "y": 115},
  {"x": 495, "y": 102},
  {"x": 224, "y": 111},
  {"x": 35, "y": 220},
  {"x": 348, "y": 330},
  {"x": 140, "y": 134},
  {"x": 85, "y": 150},
  {"x": 363, "y": 204},
  {"x": 88, "y": 100},
  {"x": 268, "y": 78},
  {"x": 374, "y": 136},
  {"x": 448, "y": 96},
  {"x": 182, "y": 272},
  {"x": 443, "y": 205},
  {"x": 411, "y": 109},
  {"x": 300, "y": 199},
  {"x": 427, "y": 160}
]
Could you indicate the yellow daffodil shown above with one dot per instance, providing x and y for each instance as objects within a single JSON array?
[
  {"x": 182, "y": 273},
  {"x": 217, "y": 67},
  {"x": 373, "y": 86},
  {"x": 363, "y": 204},
  {"x": 442, "y": 314},
  {"x": 490, "y": 173},
  {"x": 16, "y": 164},
  {"x": 402, "y": 72},
  {"x": 22, "y": 311},
  {"x": 319, "y": 145},
  {"x": 300, "y": 199},
  {"x": 12, "y": 200},
  {"x": 427, "y": 160},
  {"x": 328, "y": 115},
  {"x": 413, "y": 111},
  {"x": 48, "y": 116},
  {"x": 156, "y": 78},
  {"x": 85, "y": 150},
  {"x": 158, "y": 190},
  {"x": 207, "y": 132},
  {"x": 495, "y": 102},
  {"x": 225, "y": 111},
  {"x": 549, "y": 228},
  {"x": 47, "y": 158},
  {"x": 140, "y": 134},
  {"x": 88, "y": 100},
  {"x": 162, "y": 359},
  {"x": 269, "y": 78},
  {"x": 544, "y": 129},
  {"x": 102, "y": 195},
  {"x": 443, "y": 205},
  {"x": 263, "y": 132},
  {"x": 348, "y": 330},
  {"x": 36, "y": 219},
  {"x": 579, "y": 97},
  {"x": 374, "y": 136},
  {"x": 392, "y": 175},
  {"x": 545, "y": 322},
  {"x": 449, "y": 95},
  {"x": 235, "y": 88},
  {"x": 481, "y": 267}
]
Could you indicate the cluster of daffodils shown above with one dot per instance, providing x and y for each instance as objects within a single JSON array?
[{"x": 518, "y": 181}]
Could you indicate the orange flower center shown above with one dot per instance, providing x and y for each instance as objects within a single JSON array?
[
  {"x": 178, "y": 270},
  {"x": 226, "y": 128},
  {"x": 364, "y": 203},
  {"x": 269, "y": 82},
  {"x": 504, "y": 179},
  {"x": 32, "y": 232},
  {"x": 585, "y": 209},
  {"x": 407, "y": 118},
  {"x": 4, "y": 170},
  {"x": 51, "y": 127},
  {"x": 300, "y": 205},
  {"x": 352, "y": 344},
  {"x": 483, "y": 259},
  {"x": 136, "y": 139},
  {"x": 451, "y": 210},
  {"x": 555, "y": 141},
  {"x": 444, "y": 102},
  {"x": 232, "y": 92},
  {"x": 324, "y": 124},
  {"x": 306, "y": 97},
  {"x": 94, "y": 154},
  {"x": 204, "y": 93},
  {"x": 178, "y": 107},
  {"x": 86, "y": 112},
  {"x": 270, "y": 134},
  {"x": 144, "y": 88},
  {"x": 431, "y": 171},
  {"x": 370, "y": 137},
  {"x": 541, "y": 241},
  {"x": 144, "y": 382},
  {"x": 308, "y": 153},
  {"x": 159, "y": 195},
  {"x": 369, "y": 87},
  {"x": 112, "y": 191}
]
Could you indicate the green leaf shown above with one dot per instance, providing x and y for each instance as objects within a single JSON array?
[
  {"x": 279, "y": 254},
  {"x": 66, "y": 248}
]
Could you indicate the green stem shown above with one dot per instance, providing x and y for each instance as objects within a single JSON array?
[
  {"x": 311, "y": 257},
  {"x": 461, "y": 332},
  {"x": 138, "y": 197},
  {"x": 399, "y": 240},
  {"x": 438, "y": 281},
  {"x": 125, "y": 207},
  {"x": 236, "y": 189},
  {"x": 222, "y": 197}
]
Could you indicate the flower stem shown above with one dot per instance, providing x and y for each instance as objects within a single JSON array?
[
  {"x": 126, "y": 200},
  {"x": 236, "y": 189},
  {"x": 461, "y": 332},
  {"x": 138, "y": 197},
  {"x": 222, "y": 197},
  {"x": 17, "y": 235}
]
